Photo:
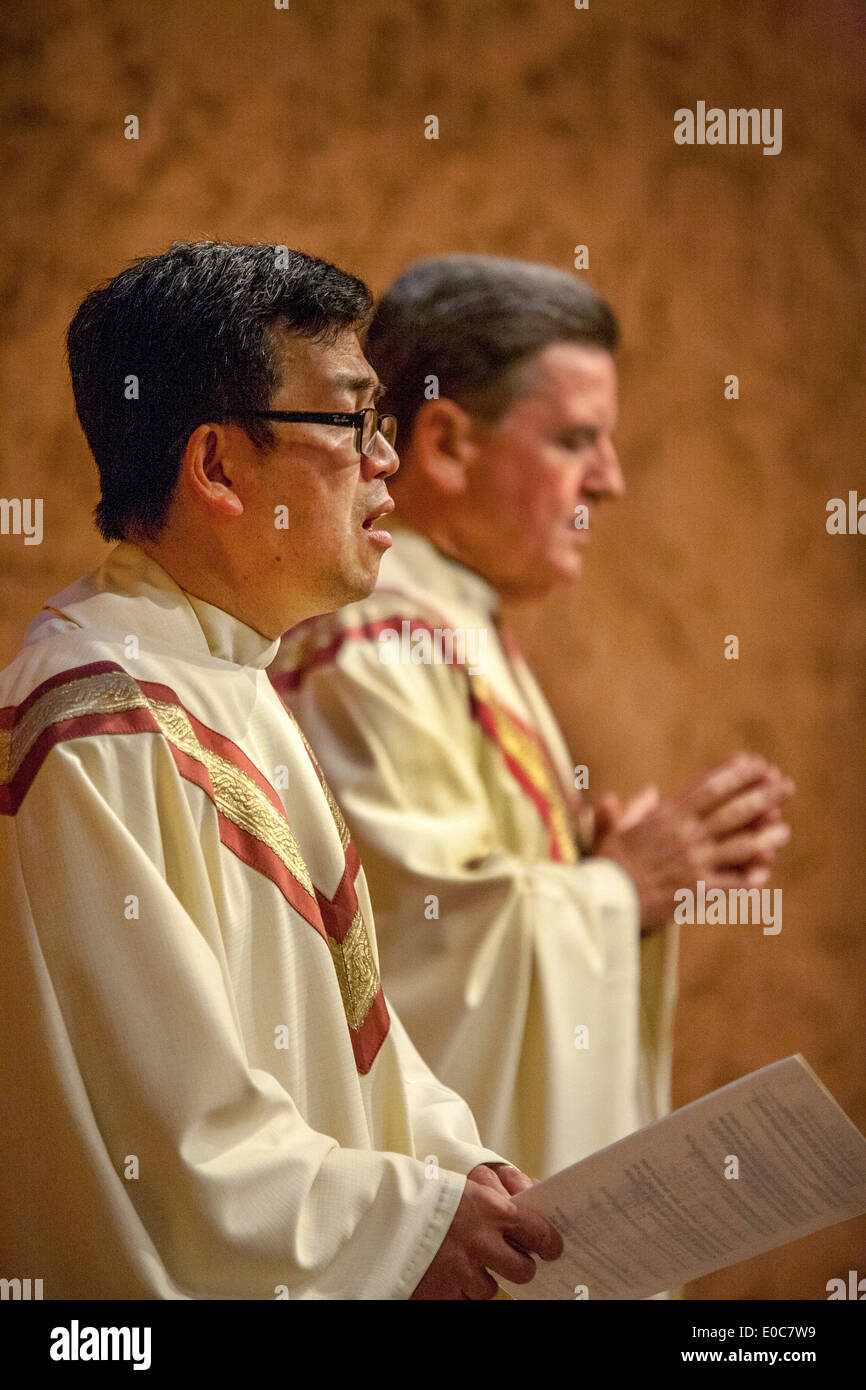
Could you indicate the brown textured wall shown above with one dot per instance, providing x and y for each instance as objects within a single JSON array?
[{"x": 306, "y": 127}]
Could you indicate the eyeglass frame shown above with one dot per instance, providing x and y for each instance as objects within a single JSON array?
[{"x": 330, "y": 417}]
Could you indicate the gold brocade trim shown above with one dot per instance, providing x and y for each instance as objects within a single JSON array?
[
  {"x": 236, "y": 795},
  {"x": 356, "y": 971},
  {"x": 526, "y": 753},
  {"x": 339, "y": 819},
  {"x": 110, "y": 693},
  {"x": 337, "y": 814}
]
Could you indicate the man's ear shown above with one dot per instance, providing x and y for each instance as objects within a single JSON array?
[
  {"x": 444, "y": 444},
  {"x": 205, "y": 469}
]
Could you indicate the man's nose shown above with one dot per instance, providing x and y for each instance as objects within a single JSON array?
[
  {"x": 383, "y": 461},
  {"x": 608, "y": 477}
]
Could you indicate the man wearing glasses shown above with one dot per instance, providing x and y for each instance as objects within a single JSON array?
[{"x": 194, "y": 1031}]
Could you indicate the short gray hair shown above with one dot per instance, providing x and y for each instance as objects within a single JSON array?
[{"x": 473, "y": 322}]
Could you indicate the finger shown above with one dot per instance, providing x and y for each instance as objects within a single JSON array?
[
  {"x": 784, "y": 786},
  {"x": 741, "y": 878},
  {"x": 513, "y": 1180},
  {"x": 739, "y": 849},
  {"x": 775, "y": 774},
  {"x": 686, "y": 792},
  {"x": 766, "y": 855},
  {"x": 533, "y": 1232},
  {"x": 511, "y": 1262},
  {"x": 479, "y": 1285},
  {"x": 638, "y": 807},
  {"x": 743, "y": 809},
  {"x": 763, "y": 856},
  {"x": 723, "y": 783},
  {"x": 486, "y": 1176}
]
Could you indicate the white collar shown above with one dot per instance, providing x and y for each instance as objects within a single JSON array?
[{"x": 164, "y": 615}]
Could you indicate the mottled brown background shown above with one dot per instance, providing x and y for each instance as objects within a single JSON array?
[{"x": 306, "y": 127}]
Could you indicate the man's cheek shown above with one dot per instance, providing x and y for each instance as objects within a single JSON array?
[{"x": 555, "y": 515}]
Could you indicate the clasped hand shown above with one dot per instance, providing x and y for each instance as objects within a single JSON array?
[{"x": 724, "y": 826}]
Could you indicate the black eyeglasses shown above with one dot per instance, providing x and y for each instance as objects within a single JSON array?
[{"x": 366, "y": 423}]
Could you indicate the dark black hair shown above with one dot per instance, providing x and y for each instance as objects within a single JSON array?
[
  {"x": 186, "y": 337},
  {"x": 474, "y": 322}
]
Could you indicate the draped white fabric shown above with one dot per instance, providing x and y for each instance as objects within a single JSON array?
[{"x": 202, "y": 1093}]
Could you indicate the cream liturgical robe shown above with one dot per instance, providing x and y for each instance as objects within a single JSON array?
[
  {"x": 204, "y": 1094},
  {"x": 517, "y": 966}
]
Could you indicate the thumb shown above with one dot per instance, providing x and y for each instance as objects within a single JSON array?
[{"x": 638, "y": 807}]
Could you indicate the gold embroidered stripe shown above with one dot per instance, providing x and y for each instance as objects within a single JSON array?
[
  {"x": 112, "y": 692},
  {"x": 356, "y": 971},
  {"x": 236, "y": 795},
  {"x": 339, "y": 818},
  {"x": 522, "y": 748}
]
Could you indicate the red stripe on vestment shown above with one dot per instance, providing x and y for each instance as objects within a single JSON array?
[
  {"x": 322, "y": 656},
  {"x": 247, "y": 847},
  {"x": 484, "y": 715},
  {"x": 10, "y": 715},
  {"x": 216, "y": 743},
  {"x": 132, "y": 721},
  {"x": 367, "y": 1039}
]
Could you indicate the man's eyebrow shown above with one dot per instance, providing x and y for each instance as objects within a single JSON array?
[
  {"x": 580, "y": 428},
  {"x": 359, "y": 385}
]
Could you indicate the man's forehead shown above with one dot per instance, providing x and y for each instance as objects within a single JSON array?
[
  {"x": 338, "y": 363},
  {"x": 573, "y": 365},
  {"x": 567, "y": 375}
]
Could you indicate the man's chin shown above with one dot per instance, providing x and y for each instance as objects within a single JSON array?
[
  {"x": 360, "y": 584},
  {"x": 554, "y": 572},
  {"x": 539, "y": 583},
  {"x": 345, "y": 589},
  {"x": 569, "y": 569}
]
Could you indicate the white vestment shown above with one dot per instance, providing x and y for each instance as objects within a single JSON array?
[
  {"x": 516, "y": 966},
  {"x": 203, "y": 1092}
]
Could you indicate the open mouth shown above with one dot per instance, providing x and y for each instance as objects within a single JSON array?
[{"x": 370, "y": 523}]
